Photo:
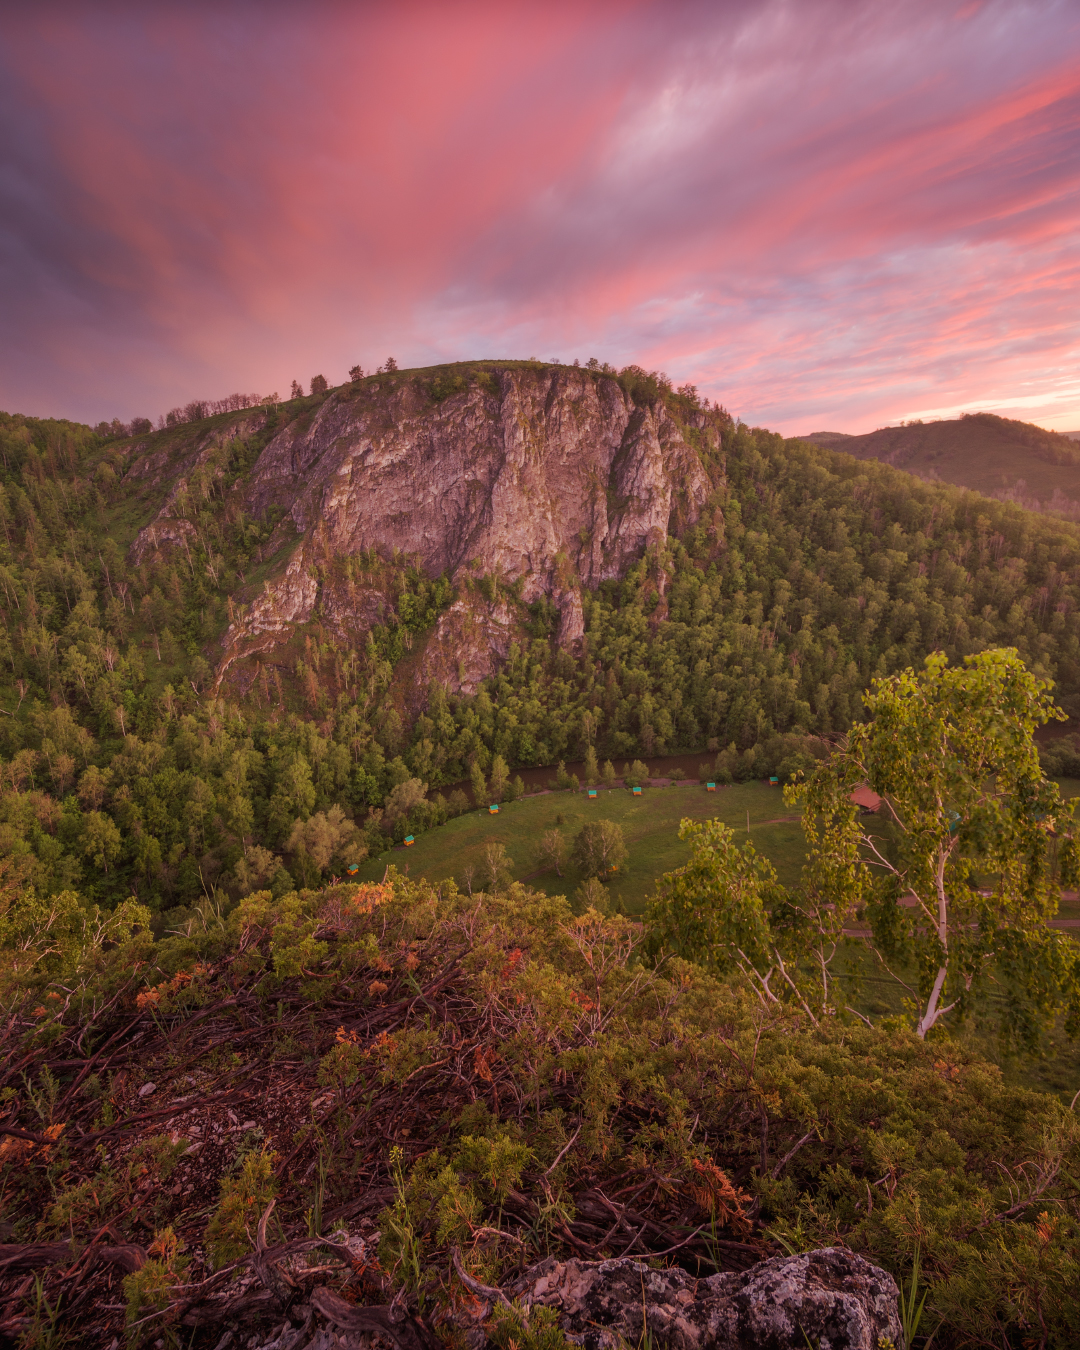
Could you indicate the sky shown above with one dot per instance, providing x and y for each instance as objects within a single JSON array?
[{"x": 825, "y": 214}]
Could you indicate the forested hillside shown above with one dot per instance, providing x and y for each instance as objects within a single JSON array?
[
  {"x": 999, "y": 456},
  {"x": 138, "y": 760}
]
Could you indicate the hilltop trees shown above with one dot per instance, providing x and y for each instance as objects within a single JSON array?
[{"x": 959, "y": 881}]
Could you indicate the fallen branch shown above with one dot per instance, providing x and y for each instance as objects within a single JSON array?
[
  {"x": 407, "y": 1333},
  {"x": 484, "y": 1291}
]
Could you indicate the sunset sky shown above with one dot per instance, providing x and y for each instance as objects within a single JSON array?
[{"x": 827, "y": 214}]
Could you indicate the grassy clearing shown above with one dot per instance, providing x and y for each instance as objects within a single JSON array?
[{"x": 650, "y": 825}]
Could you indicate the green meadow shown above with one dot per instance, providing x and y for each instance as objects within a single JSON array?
[{"x": 650, "y": 825}]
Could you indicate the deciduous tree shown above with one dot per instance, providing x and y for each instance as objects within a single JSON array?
[
  {"x": 598, "y": 847},
  {"x": 551, "y": 851},
  {"x": 959, "y": 880},
  {"x": 500, "y": 778}
]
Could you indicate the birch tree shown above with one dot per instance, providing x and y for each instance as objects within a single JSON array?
[
  {"x": 966, "y": 872},
  {"x": 956, "y": 876}
]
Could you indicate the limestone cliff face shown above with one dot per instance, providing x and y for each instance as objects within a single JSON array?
[
  {"x": 552, "y": 478},
  {"x": 542, "y": 465}
]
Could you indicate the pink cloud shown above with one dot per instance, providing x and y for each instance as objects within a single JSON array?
[{"x": 830, "y": 211}]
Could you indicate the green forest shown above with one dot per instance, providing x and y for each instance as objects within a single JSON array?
[{"x": 748, "y": 639}]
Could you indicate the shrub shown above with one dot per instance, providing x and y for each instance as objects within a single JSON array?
[
  {"x": 243, "y": 1199},
  {"x": 636, "y": 775},
  {"x": 150, "y": 1289}
]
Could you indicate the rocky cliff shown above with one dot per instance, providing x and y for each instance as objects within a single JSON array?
[{"x": 548, "y": 478}]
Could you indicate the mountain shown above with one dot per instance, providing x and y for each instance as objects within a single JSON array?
[
  {"x": 244, "y": 649},
  {"x": 235, "y": 654},
  {"x": 1010, "y": 460}
]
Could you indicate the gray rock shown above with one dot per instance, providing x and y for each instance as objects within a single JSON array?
[{"x": 829, "y": 1299}]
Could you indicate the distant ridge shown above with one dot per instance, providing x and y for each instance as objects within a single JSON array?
[
  {"x": 1010, "y": 460},
  {"x": 832, "y": 440}
]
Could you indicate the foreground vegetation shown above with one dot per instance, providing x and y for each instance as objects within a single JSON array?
[{"x": 491, "y": 1074}]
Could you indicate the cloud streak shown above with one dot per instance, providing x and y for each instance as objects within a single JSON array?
[{"x": 824, "y": 213}]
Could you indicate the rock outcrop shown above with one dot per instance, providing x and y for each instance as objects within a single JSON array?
[
  {"x": 525, "y": 476},
  {"x": 830, "y": 1299},
  {"x": 553, "y": 479}
]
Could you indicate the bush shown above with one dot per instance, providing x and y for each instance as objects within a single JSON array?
[
  {"x": 556, "y": 1067},
  {"x": 1061, "y": 758},
  {"x": 243, "y": 1199},
  {"x": 151, "y": 1289},
  {"x": 636, "y": 774}
]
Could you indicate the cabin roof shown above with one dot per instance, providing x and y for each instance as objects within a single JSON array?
[{"x": 866, "y": 797}]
